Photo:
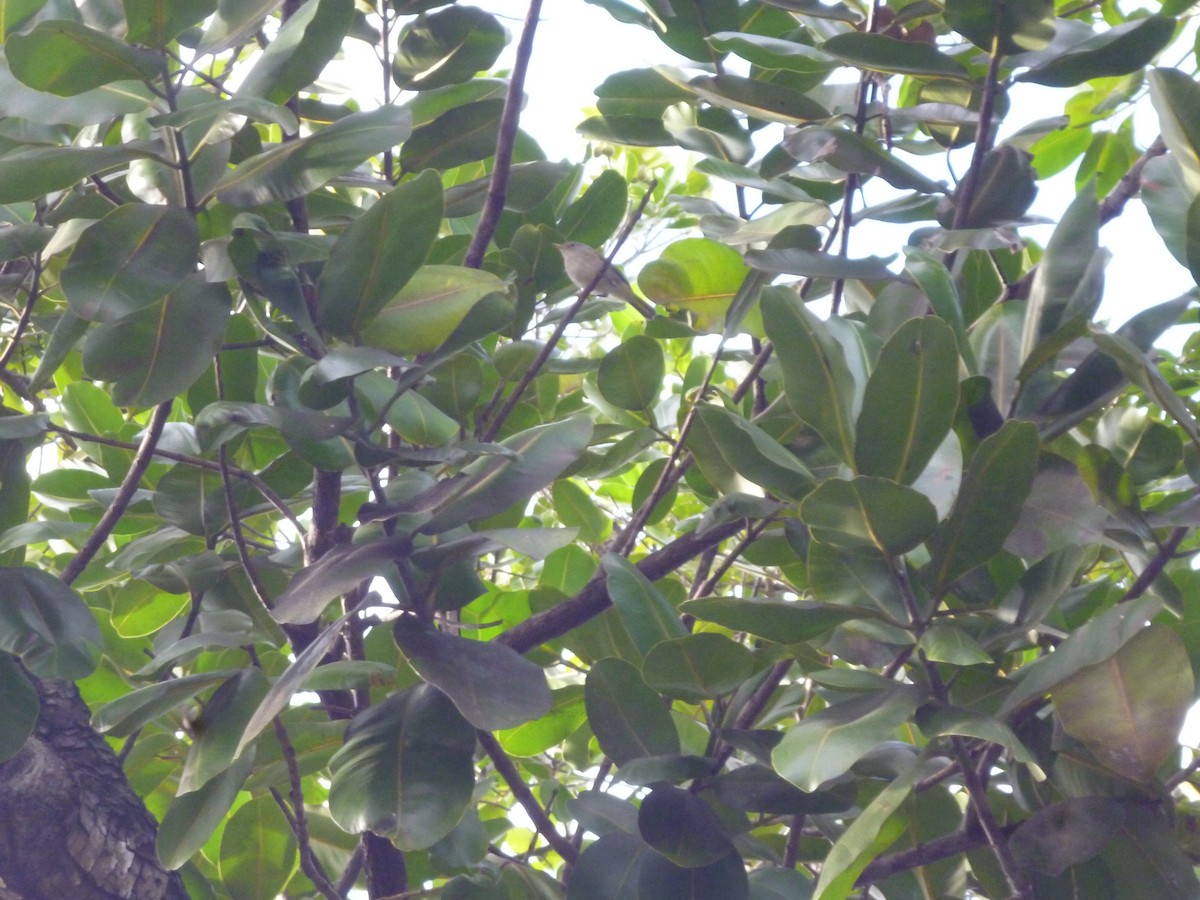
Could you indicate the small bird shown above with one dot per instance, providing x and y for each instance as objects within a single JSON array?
[{"x": 582, "y": 263}]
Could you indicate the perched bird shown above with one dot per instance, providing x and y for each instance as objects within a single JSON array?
[{"x": 582, "y": 263}]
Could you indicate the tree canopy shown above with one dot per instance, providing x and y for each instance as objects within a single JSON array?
[{"x": 385, "y": 561}]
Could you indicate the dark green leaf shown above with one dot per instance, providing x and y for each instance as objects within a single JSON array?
[
  {"x": 191, "y": 818},
  {"x": 882, "y": 53},
  {"x": 465, "y": 134},
  {"x": 869, "y": 512},
  {"x": 816, "y": 377},
  {"x": 782, "y": 621},
  {"x": 446, "y": 47},
  {"x": 647, "y": 614},
  {"x": 46, "y": 624},
  {"x": 258, "y": 850},
  {"x": 309, "y": 38},
  {"x": 910, "y": 401},
  {"x": 129, "y": 260},
  {"x": 631, "y": 374},
  {"x": 492, "y": 685},
  {"x": 157, "y": 353},
  {"x": 406, "y": 769},
  {"x": 156, "y": 23},
  {"x": 18, "y": 706},
  {"x": 989, "y": 503},
  {"x": 628, "y": 719},
  {"x": 1006, "y": 26},
  {"x": 377, "y": 255},
  {"x": 608, "y": 868},
  {"x": 697, "y": 667},
  {"x": 1114, "y": 51},
  {"x": 682, "y": 827},
  {"x": 65, "y": 58},
  {"x": 297, "y": 167},
  {"x": 1128, "y": 709}
]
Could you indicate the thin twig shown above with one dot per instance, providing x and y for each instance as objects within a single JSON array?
[
  {"x": 493, "y": 204},
  {"x": 187, "y": 459},
  {"x": 524, "y": 796},
  {"x": 309, "y": 863},
  {"x": 116, "y": 509},
  {"x": 493, "y": 426}
]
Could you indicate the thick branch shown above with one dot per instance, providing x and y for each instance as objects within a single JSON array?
[{"x": 594, "y": 599}]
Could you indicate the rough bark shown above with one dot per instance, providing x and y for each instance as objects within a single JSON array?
[{"x": 70, "y": 825}]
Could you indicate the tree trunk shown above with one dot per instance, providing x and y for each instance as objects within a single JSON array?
[{"x": 70, "y": 825}]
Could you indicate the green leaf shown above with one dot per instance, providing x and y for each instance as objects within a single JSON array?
[
  {"x": 492, "y": 685},
  {"x": 129, "y": 260},
  {"x": 131, "y": 711},
  {"x": 882, "y": 53},
  {"x": 794, "y": 261},
  {"x": 1117, "y": 50},
  {"x": 65, "y": 58},
  {"x": 433, "y": 302},
  {"x": 47, "y": 625},
  {"x": 627, "y": 717},
  {"x": 1176, "y": 99},
  {"x": 697, "y": 667},
  {"x": 219, "y": 730},
  {"x": 191, "y": 818},
  {"x": 761, "y": 99},
  {"x": 18, "y": 705},
  {"x": 853, "y": 154},
  {"x": 1064, "y": 290},
  {"x": 1091, "y": 644},
  {"x": 726, "y": 878},
  {"x": 608, "y": 868},
  {"x": 1008, "y": 26},
  {"x": 855, "y": 578},
  {"x": 566, "y": 714},
  {"x": 816, "y": 378},
  {"x": 825, "y": 745},
  {"x": 337, "y": 572},
  {"x": 223, "y": 420},
  {"x": 1145, "y": 860},
  {"x": 298, "y": 167},
  {"x": 994, "y": 488},
  {"x": 1192, "y": 251},
  {"x": 235, "y": 23},
  {"x": 446, "y": 47},
  {"x": 934, "y": 722},
  {"x": 465, "y": 134},
  {"x": 868, "y": 835},
  {"x": 575, "y": 509},
  {"x": 682, "y": 827},
  {"x": 494, "y": 483},
  {"x": 773, "y": 53},
  {"x": 910, "y": 401},
  {"x": 307, "y": 40},
  {"x": 156, "y": 23},
  {"x": 593, "y": 217},
  {"x": 945, "y": 643},
  {"x": 258, "y": 850},
  {"x": 1129, "y": 709},
  {"x": 755, "y": 788},
  {"x": 726, "y": 445},
  {"x": 631, "y": 374},
  {"x": 279, "y": 695},
  {"x": 783, "y": 621},
  {"x": 684, "y": 26},
  {"x": 646, "y": 613},
  {"x": 379, "y": 252},
  {"x": 698, "y": 275},
  {"x": 406, "y": 769},
  {"x": 869, "y": 512},
  {"x": 157, "y": 353},
  {"x": 1065, "y": 834}
]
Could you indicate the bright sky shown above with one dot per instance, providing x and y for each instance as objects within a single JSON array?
[{"x": 578, "y": 45}]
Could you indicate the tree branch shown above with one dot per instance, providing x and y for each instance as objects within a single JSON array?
[
  {"x": 493, "y": 204},
  {"x": 594, "y": 599},
  {"x": 524, "y": 796},
  {"x": 116, "y": 509}
]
